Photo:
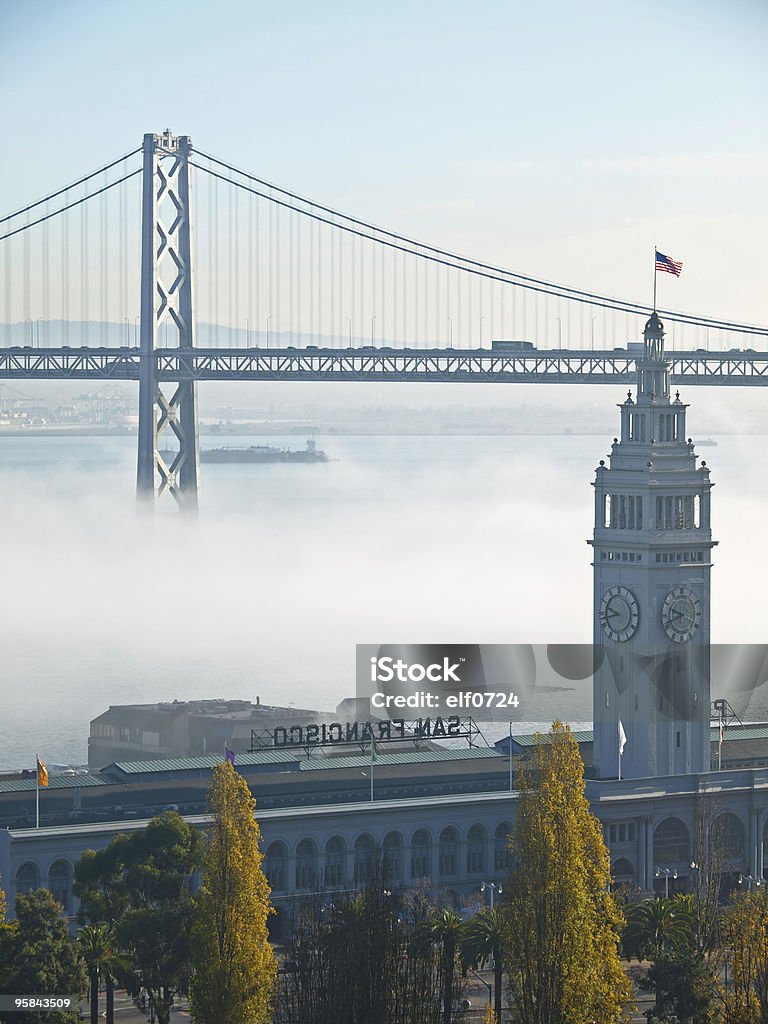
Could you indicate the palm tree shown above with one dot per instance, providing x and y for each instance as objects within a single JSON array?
[
  {"x": 482, "y": 942},
  {"x": 446, "y": 928},
  {"x": 657, "y": 925},
  {"x": 97, "y": 947}
]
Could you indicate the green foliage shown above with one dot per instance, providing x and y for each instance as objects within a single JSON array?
[
  {"x": 562, "y": 923},
  {"x": 685, "y": 987},
  {"x": 658, "y": 926},
  {"x": 38, "y": 955},
  {"x": 446, "y": 929},
  {"x": 98, "y": 948},
  {"x": 234, "y": 967},
  {"x": 481, "y": 943},
  {"x": 370, "y": 958},
  {"x": 139, "y": 885}
]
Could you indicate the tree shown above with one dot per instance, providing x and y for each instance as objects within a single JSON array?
[
  {"x": 706, "y": 873},
  {"x": 234, "y": 967},
  {"x": 99, "y": 952},
  {"x": 658, "y": 926},
  {"x": 684, "y": 985},
  {"x": 140, "y": 885},
  {"x": 43, "y": 956},
  {"x": 446, "y": 929},
  {"x": 364, "y": 958},
  {"x": 744, "y": 989},
  {"x": 562, "y": 923},
  {"x": 481, "y": 943}
]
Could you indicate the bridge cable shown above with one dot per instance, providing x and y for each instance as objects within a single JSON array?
[
  {"x": 557, "y": 291},
  {"x": 69, "y": 206},
  {"x": 80, "y": 181},
  {"x": 508, "y": 276}
]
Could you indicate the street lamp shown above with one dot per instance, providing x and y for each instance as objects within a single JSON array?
[
  {"x": 592, "y": 325},
  {"x": 750, "y": 880},
  {"x": 269, "y": 321},
  {"x": 667, "y": 873},
  {"x": 450, "y": 332},
  {"x": 494, "y": 888},
  {"x": 559, "y": 332},
  {"x": 136, "y": 330},
  {"x": 127, "y": 329},
  {"x": 372, "y": 321},
  {"x": 247, "y": 333}
]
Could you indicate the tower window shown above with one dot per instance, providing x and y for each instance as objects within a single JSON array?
[
  {"x": 637, "y": 703},
  {"x": 677, "y": 739}
]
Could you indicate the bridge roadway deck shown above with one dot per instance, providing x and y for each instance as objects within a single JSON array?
[{"x": 557, "y": 366}]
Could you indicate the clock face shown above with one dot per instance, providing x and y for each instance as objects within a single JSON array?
[
  {"x": 619, "y": 613},
  {"x": 681, "y": 614}
]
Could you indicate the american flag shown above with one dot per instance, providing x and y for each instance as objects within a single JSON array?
[{"x": 666, "y": 264}]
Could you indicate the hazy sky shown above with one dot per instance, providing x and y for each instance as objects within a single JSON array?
[{"x": 560, "y": 139}]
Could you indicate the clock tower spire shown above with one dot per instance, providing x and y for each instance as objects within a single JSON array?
[{"x": 652, "y": 546}]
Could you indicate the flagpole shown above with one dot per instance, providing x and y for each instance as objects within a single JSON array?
[
  {"x": 655, "y": 276},
  {"x": 510, "y": 757},
  {"x": 373, "y": 748},
  {"x": 37, "y": 791}
]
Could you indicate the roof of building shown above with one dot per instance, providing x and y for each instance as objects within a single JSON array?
[
  {"x": 17, "y": 785},
  {"x": 205, "y": 761},
  {"x": 401, "y": 757}
]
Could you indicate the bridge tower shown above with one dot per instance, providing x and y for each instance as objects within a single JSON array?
[
  {"x": 167, "y": 301},
  {"x": 652, "y": 548}
]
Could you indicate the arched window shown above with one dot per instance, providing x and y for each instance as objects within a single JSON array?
[
  {"x": 60, "y": 883},
  {"x": 275, "y": 866},
  {"x": 306, "y": 864},
  {"x": 476, "y": 841},
  {"x": 671, "y": 843},
  {"x": 421, "y": 854},
  {"x": 335, "y": 856},
  {"x": 27, "y": 877},
  {"x": 729, "y": 831},
  {"x": 622, "y": 871},
  {"x": 364, "y": 847},
  {"x": 393, "y": 857},
  {"x": 501, "y": 844},
  {"x": 448, "y": 853}
]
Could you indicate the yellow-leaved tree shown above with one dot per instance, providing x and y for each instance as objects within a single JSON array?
[
  {"x": 744, "y": 947},
  {"x": 562, "y": 923},
  {"x": 234, "y": 970}
]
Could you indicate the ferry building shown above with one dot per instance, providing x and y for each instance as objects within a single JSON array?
[{"x": 444, "y": 814}]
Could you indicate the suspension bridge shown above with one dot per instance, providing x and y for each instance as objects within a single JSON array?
[{"x": 169, "y": 267}]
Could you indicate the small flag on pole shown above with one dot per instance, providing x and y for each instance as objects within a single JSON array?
[
  {"x": 229, "y": 755},
  {"x": 622, "y": 744},
  {"x": 668, "y": 265},
  {"x": 42, "y": 772}
]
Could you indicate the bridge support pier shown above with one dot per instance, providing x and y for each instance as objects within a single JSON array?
[{"x": 167, "y": 301}]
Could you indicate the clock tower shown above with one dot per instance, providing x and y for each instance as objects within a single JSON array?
[{"x": 652, "y": 546}]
